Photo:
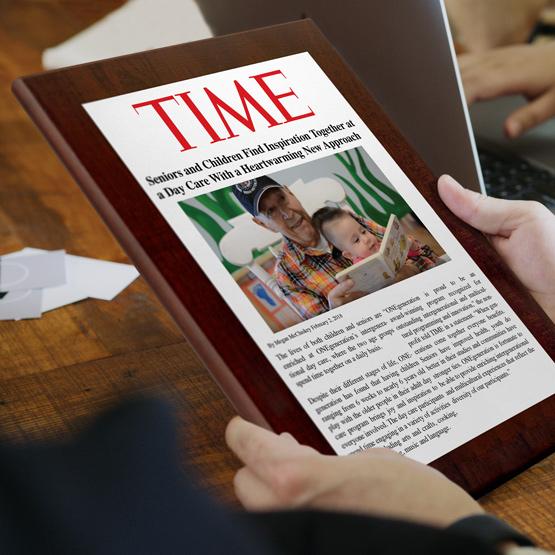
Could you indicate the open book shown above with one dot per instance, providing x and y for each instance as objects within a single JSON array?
[
  {"x": 380, "y": 269},
  {"x": 188, "y": 153}
]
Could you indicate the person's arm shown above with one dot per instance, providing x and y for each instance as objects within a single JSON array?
[
  {"x": 309, "y": 304},
  {"x": 306, "y": 303},
  {"x": 279, "y": 473},
  {"x": 522, "y": 232},
  {"x": 343, "y": 293},
  {"x": 479, "y": 25},
  {"x": 526, "y": 69}
]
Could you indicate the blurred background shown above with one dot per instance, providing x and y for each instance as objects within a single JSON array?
[{"x": 57, "y": 372}]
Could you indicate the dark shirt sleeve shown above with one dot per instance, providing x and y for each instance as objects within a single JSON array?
[
  {"x": 119, "y": 488},
  {"x": 490, "y": 529},
  {"x": 326, "y": 533}
]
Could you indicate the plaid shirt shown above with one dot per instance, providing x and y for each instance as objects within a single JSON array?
[{"x": 307, "y": 275}]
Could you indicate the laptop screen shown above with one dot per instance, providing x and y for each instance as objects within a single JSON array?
[{"x": 403, "y": 53}]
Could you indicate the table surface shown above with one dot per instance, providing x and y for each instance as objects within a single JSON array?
[{"x": 58, "y": 372}]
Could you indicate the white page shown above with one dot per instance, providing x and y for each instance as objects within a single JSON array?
[
  {"x": 19, "y": 273},
  {"x": 100, "y": 279},
  {"x": 86, "y": 277},
  {"x": 17, "y": 305},
  {"x": 54, "y": 297}
]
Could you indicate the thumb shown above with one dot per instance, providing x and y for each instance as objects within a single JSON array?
[
  {"x": 344, "y": 287},
  {"x": 487, "y": 214},
  {"x": 535, "y": 112},
  {"x": 337, "y": 296}
]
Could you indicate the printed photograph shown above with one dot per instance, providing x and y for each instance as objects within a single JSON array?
[{"x": 306, "y": 240}]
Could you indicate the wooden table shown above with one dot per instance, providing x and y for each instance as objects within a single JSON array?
[{"x": 57, "y": 372}]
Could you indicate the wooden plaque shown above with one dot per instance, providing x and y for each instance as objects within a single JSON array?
[{"x": 54, "y": 101}]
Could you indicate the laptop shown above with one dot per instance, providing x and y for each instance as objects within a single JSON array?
[
  {"x": 403, "y": 51},
  {"x": 522, "y": 168}
]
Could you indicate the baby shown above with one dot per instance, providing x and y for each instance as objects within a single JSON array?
[
  {"x": 358, "y": 239},
  {"x": 347, "y": 234}
]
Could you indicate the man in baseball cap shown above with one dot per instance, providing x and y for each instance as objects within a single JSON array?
[
  {"x": 276, "y": 208},
  {"x": 248, "y": 193},
  {"x": 306, "y": 267}
]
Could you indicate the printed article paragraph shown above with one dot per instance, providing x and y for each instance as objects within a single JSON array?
[{"x": 455, "y": 343}]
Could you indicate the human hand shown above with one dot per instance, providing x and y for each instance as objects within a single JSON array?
[
  {"x": 478, "y": 26},
  {"x": 342, "y": 294},
  {"x": 525, "y": 69},
  {"x": 280, "y": 473},
  {"x": 521, "y": 231}
]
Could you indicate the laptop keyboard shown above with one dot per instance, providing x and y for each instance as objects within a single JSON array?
[{"x": 510, "y": 177}]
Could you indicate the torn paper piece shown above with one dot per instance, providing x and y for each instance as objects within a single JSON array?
[
  {"x": 89, "y": 277},
  {"x": 33, "y": 271},
  {"x": 17, "y": 305},
  {"x": 99, "y": 279},
  {"x": 53, "y": 297}
]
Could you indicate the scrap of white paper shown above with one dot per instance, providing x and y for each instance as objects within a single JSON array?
[
  {"x": 128, "y": 29},
  {"x": 86, "y": 277},
  {"x": 17, "y": 305},
  {"x": 54, "y": 297},
  {"x": 24, "y": 272},
  {"x": 100, "y": 279}
]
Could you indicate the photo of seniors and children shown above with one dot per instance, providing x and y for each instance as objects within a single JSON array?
[{"x": 303, "y": 241}]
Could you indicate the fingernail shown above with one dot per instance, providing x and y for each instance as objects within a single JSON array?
[
  {"x": 446, "y": 178},
  {"x": 514, "y": 128}
]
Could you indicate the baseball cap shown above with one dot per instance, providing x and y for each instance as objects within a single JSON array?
[{"x": 248, "y": 193}]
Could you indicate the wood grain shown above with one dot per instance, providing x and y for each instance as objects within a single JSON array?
[{"x": 58, "y": 372}]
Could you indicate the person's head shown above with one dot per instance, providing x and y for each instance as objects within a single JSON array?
[
  {"x": 276, "y": 208},
  {"x": 345, "y": 233}
]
